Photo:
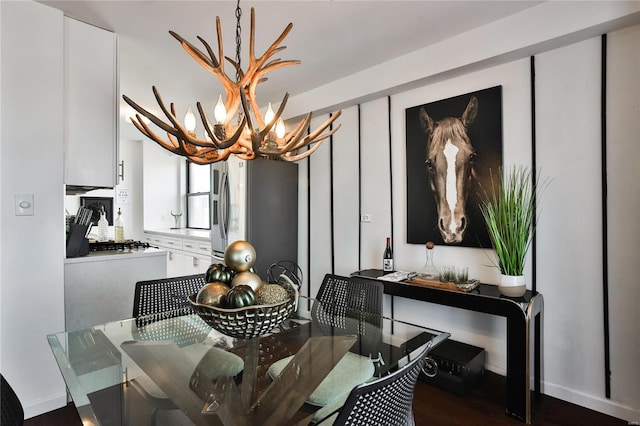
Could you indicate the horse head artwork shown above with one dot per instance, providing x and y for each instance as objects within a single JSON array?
[{"x": 449, "y": 162}]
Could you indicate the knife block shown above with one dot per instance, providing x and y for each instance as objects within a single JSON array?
[{"x": 77, "y": 244}]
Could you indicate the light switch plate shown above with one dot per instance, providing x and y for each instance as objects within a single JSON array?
[{"x": 24, "y": 204}]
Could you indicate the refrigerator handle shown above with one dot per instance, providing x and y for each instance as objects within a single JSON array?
[{"x": 223, "y": 206}]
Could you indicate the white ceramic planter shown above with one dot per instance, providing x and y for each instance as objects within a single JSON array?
[{"x": 512, "y": 285}]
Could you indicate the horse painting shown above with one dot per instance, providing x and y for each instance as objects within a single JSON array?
[
  {"x": 452, "y": 144},
  {"x": 449, "y": 162}
]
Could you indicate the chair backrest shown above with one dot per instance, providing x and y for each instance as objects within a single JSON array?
[
  {"x": 350, "y": 293},
  {"x": 353, "y": 305},
  {"x": 384, "y": 401},
  {"x": 10, "y": 405},
  {"x": 157, "y": 300},
  {"x": 165, "y": 295}
]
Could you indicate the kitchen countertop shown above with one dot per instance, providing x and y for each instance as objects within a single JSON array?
[
  {"x": 198, "y": 234},
  {"x": 108, "y": 255}
]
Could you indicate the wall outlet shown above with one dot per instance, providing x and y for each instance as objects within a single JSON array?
[{"x": 365, "y": 217}]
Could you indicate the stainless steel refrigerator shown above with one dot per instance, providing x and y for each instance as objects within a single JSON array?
[{"x": 255, "y": 201}]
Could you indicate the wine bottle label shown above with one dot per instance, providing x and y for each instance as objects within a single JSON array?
[{"x": 387, "y": 265}]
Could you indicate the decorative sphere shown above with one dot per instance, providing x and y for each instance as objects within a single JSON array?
[
  {"x": 247, "y": 278},
  {"x": 270, "y": 294},
  {"x": 212, "y": 294},
  {"x": 240, "y": 256}
]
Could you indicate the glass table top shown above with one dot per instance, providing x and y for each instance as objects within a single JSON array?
[{"x": 125, "y": 372}]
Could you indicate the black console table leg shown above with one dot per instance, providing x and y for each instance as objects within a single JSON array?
[
  {"x": 519, "y": 328},
  {"x": 517, "y": 368},
  {"x": 538, "y": 312},
  {"x": 537, "y": 350}
]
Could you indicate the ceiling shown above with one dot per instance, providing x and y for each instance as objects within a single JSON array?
[{"x": 333, "y": 39}]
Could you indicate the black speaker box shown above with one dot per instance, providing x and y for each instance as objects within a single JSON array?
[{"x": 454, "y": 366}]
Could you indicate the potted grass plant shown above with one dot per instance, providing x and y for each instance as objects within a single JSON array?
[{"x": 508, "y": 209}]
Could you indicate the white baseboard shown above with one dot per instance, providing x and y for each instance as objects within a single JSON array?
[
  {"x": 603, "y": 405},
  {"x": 53, "y": 402},
  {"x": 496, "y": 369}
]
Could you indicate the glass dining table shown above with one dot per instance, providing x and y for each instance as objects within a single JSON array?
[{"x": 179, "y": 371}]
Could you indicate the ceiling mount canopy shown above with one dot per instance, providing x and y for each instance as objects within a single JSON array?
[{"x": 240, "y": 128}]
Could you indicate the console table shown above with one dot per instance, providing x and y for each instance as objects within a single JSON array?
[{"x": 486, "y": 298}]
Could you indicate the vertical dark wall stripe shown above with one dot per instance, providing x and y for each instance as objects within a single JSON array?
[
  {"x": 309, "y": 223},
  {"x": 391, "y": 191},
  {"x": 359, "y": 189},
  {"x": 390, "y": 170},
  {"x": 331, "y": 210},
  {"x": 534, "y": 164},
  {"x": 532, "y": 76},
  {"x": 605, "y": 239}
]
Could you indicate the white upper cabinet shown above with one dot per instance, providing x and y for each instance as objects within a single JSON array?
[{"x": 91, "y": 105}]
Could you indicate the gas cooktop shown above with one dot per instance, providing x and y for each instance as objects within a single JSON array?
[{"x": 113, "y": 246}]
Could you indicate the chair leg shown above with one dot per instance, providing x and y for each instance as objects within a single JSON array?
[
  {"x": 154, "y": 416},
  {"x": 411, "y": 421}
]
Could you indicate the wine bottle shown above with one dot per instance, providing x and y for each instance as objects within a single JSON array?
[{"x": 387, "y": 259}]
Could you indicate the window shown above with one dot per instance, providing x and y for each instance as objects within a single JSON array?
[{"x": 198, "y": 189}]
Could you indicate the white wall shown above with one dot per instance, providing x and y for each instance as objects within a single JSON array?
[
  {"x": 570, "y": 266},
  {"x": 623, "y": 134},
  {"x": 132, "y": 205},
  {"x": 569, "y": 248},
  {"x": 163, "y": 176},
  {"x": 32, "y": 163}
]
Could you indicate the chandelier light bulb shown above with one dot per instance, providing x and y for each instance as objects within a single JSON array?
[
  {"x": 280, "y": 130},
  {"x": 220, "y": 112},
  {"x": 190, "y": 121},
  {"x": 268, "y": 116}
]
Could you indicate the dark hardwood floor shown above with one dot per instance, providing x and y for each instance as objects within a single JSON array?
[
  {"x": 485, "y": 406},
  {"x": 436, "y": 407}
]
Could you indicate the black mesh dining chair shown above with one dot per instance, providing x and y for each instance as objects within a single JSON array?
[
  {"x": 340, "y": 294},
  {"x": 383, "y": 401},
  {"x": 345, "y": 305},
  {"x": 353, "y": 306},
  {"x": 166, "y": 296},
  {"x": 11, "y": 407},
  {"x": 155, "y": 300},
  {"x": 163, "y": 299}
]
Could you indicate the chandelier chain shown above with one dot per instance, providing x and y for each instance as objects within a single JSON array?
[
  {"x": 238, "y": 45},
  {"x": 238, "y": 40}
]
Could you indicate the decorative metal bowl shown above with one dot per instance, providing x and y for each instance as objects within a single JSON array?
[{"x": 249, "y": 321}]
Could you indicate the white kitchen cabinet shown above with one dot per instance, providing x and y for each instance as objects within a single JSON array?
[
  {"x": 91, "y": 105},
  {"x": 195, "y": 264},
  {"x": 202, "y": 248},
  {"x": 185, "y": 256},
  {"x": 197, "y": 256},
  {"x": 175, "y": 263},
  {"x": 173, "y": 247}
]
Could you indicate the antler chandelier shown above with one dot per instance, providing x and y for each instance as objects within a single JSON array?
[{"x": 244, "y": 132}]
